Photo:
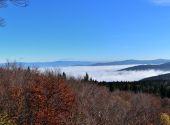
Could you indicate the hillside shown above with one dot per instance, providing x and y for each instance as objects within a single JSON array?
[
  {"x": 129, "y": 62},
  {"x": 164, "y": 67},
  {"x": 28, "y": 95},
  {"x": 163, "y": 76}
]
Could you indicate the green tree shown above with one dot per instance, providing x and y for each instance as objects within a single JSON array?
[
  {"x": 131, "y": 87},
  {"x": 86, "y": 78},
  {"x": 126, "y": 87},
  {"x": 156, "y": 89},
  {"x": 150, "y": 90},
  {"x": 135, "y": 88},
  {"x": 112, "y": 87},
  {"x": 163, "y": 91},
  {"x": 142, "y": 88},
  {"x": 91, "y": 79},
  {"x": 64, "y": 75},
  {"x": 28, "y": 69}
]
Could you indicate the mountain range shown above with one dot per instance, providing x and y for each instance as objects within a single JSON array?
[
  {"x": 54, "y": 64},
  {"x": 131, "y": 62},
  {"x": 163, "y": 67},
  {"x": 86, "y": 63}
]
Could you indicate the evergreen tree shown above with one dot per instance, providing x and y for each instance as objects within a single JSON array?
[
  {"x": 91, "y": 79},
  {"x": 126, "y": 87},
  {"x": 142, "y": 88},
  {"x": 64, "y": 75},
  {"x": 131, "y": 87},
  {"x": 112, "y": 87},
  {"x": 168, "y": 92},
  {"x": 156, "y": 89},
  {"x": 150, "y": 90},
  {"x": 135, "y": 88},
  {"x": 100, "y": 83},
  {"x": 86, "y": 78},
  {"x": 163, "y": 91},
  {"x": 96, "y": 81},
  {"x": 28, "y": 69}
]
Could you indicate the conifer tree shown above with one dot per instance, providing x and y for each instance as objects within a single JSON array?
[
  {"x": 150, "y": 90},
  {"x": 112, "y": 87},
  {"x": 135, "y": 89},
  {"x": 141, "y": 88},
  {"x": 28, "y": 69},
  {"x": 131, "y": 87},
  {"x": 156, "y": 89},
  {"x": 64, "y": 75},
  {"x": 91, "y": 79},
  {"x": 126, "y": 87},
  {"x": 163, "y": 91},
  {"x": 86, "y": 78},
  {"x": 168, "y": 92}
]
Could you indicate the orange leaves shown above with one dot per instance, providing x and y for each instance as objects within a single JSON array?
[
  {"x": 17, "y": 97},
  {"x": 50, "y": 98}
]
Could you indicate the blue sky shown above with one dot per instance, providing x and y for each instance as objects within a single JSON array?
[{"x": 86, "y": 30}]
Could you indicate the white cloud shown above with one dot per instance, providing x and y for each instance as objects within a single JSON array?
[
  {"x": 108, "y": 73},
  {"x": 161, "y": 2}
]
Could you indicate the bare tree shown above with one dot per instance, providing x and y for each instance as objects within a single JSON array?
[{"x": 3, "y": 4}]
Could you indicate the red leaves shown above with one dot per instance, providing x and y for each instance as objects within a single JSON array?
[
  {"x": 17, "y": 97},
  {"x": 49, "y": 98}
]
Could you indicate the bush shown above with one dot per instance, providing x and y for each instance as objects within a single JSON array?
[
  {"x": 4, "y": 120},
  {"x": 165, "y": 119}
]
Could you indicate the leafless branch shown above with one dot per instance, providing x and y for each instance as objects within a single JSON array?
[
  {"x": 21, "y": 3},
  {"x": 3, "y": 3},
  {"x": 2, "y": 22}
]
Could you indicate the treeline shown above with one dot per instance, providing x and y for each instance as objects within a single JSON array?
[
  {"x": 30, "y": 97},
  {"x": 158, "y": 87}
]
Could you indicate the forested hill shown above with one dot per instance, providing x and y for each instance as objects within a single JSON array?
[
  {"x": 164, "y": 67},
  {"x": 159, "y": 77},
  {"x": 129, "y": 62}
]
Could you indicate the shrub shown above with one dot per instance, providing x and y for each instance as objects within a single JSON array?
[
  {"x": 4, "y": 120},
  {"x": 165, "y": 119}
]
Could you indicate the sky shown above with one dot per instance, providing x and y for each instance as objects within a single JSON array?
[{"x": 85, "y": 30}]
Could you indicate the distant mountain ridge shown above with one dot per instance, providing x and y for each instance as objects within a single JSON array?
[
  {"x": 163, "y": 67},
  {"x": 130, "y": 62},
  {"x": 54, "y": 64},
  {"x": 87, "y": 63}
]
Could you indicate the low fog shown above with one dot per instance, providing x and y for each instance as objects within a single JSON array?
[{"x": 107, "y": 73}]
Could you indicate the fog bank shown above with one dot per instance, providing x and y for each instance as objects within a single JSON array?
[{"x": 108, "y": 73}]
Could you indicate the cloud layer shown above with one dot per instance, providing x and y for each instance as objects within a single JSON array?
[
  {"x": 108, "y": 73},
  {"x": 161, "y": 2}
]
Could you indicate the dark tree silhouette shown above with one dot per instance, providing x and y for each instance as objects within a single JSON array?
[
  {"x": 126, "y": 87},
  {"x": 64, "y": 75},
  {"x": 156, "y": 89},
  {"x": 86, "y": 78},
  {"x": 135, "y": 88},
  {"x": 3, "y": 4},
  {"x": 112, "y": 87}
]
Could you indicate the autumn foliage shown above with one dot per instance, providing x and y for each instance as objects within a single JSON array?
[
  {"x": 33, "y": 98},
  {"x": 49, "y": 99},
  {"x": 42, "y": 100}
]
